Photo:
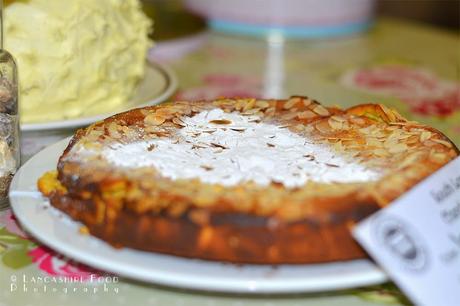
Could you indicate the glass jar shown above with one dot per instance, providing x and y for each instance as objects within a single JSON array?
[{"x": 9, "y": 124}]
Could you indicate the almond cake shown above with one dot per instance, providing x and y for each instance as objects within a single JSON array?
[{"x": 242, "y": 180}]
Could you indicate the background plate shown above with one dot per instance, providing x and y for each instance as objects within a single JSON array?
[
  {"x": 158, "y": 84},
  {"x": 59, "y": 232}
]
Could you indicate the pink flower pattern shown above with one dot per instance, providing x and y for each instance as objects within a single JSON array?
[
  {"x": 222, "y": 85},
  {"x": 54, "y": 264},
  {"x": 8, "y": 220},
  {"x": 424, "y": 92},
  {"x": 46, "y": 259}
]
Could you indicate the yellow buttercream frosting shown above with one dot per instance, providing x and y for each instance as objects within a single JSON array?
[{"x": 76, "y": 57}]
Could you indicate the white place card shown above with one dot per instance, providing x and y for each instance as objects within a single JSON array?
[{"x": 416, "y": 239}]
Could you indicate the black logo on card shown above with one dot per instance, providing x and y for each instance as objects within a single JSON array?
[{"x": 402, "y": 242}]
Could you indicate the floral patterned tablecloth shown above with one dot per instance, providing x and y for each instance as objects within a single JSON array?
[{"x": 409, "y": 67}]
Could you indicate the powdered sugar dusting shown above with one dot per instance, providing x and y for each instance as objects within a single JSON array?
[{"x": 230, "y": 148}]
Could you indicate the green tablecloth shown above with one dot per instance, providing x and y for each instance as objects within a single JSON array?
[{"x": 409, "y": 67}]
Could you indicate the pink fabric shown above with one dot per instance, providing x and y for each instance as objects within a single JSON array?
[
  {"x": 9, "y": 221},
  {"x": 56, "y": 265},
  {"x": 222, "y": 85},
  {"x": 424, "y": 92},
  {"x": 46, "y": 259}
]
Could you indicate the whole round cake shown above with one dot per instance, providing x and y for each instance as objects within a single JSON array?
[
  {"x": 76, "y": 57},
  {"x": 242, "y": 180}
]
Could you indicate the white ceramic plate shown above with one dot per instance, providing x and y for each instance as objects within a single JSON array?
[
  {"x": 59, "y": 232},
  {"x": 158, "y": 84}
]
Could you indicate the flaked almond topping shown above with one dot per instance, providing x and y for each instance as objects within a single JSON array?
[
  {"x": 398, "y": 148},
  {"x": 291, "y": 102},
  {"x": 374, "y": 142},
  {"x": 320, "y": 110},
  {"x": 289, "y": 116},
  {"x": 380, "y": 152},
  {"x": 270, "y": 145},
  {"x": 262, "y": 104},
  {"x": 145, "y": 112},
  {"x": 179, "y": 122},
  {"x": 195, "y": 109},
  {"x": 113, "y": 130},
  {"x": 323, "y": 127},
  {"x": 207, "y": 168},
  {"x": 299, "y": 128},
  {"x": 389, "y": 143},
  {"x": 220, "y": 121},
  {"x": 424, "y": 136},
  {"x": 198, "y": 146},
  {"x": 217, "y": 145},
  {"x": 249, "y": 105},
  {"x": 429, "y": 143},
  {"x": 151, "y": 147},
  {"x": 154, "y": 119},
  {"x": 335, "y": 125},
  {"x": 338, "y": 118},
  {"x": 358, "y": 120},
  {"x": 307, "y": 101},
  {"x": 167, "y": 113},
  {"x": 409, "y": 160},
  {"x": 251, "y": 111},
  {"x": 306, "y": 115},
  {"x": 238, "y": 129},
  {"x": 309, "y": 157},
  {"x": 332, "y": 165},
  {"x": 443, "y": 142},
  {"x": 208, "y": 132},
  {"x": 270, "y": 111},
  {"x": 389, "y": 113},
  {"x": 437, "y": 157}
]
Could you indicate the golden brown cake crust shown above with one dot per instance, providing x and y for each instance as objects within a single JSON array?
[{"x": 245, "y": 223}]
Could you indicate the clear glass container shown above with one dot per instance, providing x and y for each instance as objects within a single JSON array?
[{"x": 9, "y": 124}]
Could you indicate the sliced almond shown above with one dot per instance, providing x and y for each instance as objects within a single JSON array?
[
  {"x": 374, "y": 143},
  {"x": 179, "y": 122},
  {"x": 298, "y": 128},
  {"x": 389, "y": 113},
  {"x": 289, "y": 116},
  {"x": 338, "y": 118},
  {"x": 306, "y": 115},
  {"x": 409, "y": 160},
  {"x": 398, "y": 148},
  {"x": 154, "y": 119},
  {"x": 335, "y": 125},
  {"x": 358, "y": 120},
  {"x": 320, "y": 110},
  {"x": 380, "y": 152},
  {"x": 262, "y": 104},
  {"x": 424, "y": 136},
  {"x": 323, "y": 127},
  {"x": 307, "y": 101},
  {"x": 437, "y": 157},
  {"x": 145, "y": 112},
  {"x": 220, "y": 121},
  {"x": 291, "y": 102},
  {"x": 249, "y": 105},
  {"x": 113, "y": 130},
  {"x": 269, "y": 112},
  {"x": 443, "y": 142}
]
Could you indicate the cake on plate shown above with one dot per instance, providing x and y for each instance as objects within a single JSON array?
[{"x": 242, "y": 180}]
